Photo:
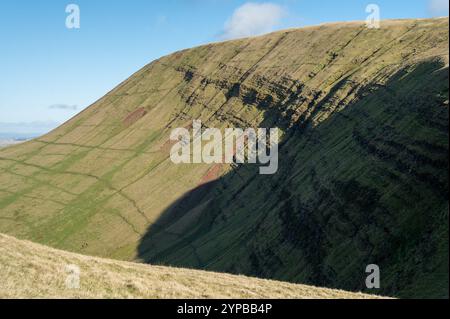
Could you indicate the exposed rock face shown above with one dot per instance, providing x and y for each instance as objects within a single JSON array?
[
  {"x": 363, "y": 176},
  {"x": 134, "y": 116}
]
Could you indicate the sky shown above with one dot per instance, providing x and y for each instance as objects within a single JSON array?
[{"x": 51, "y": 69}]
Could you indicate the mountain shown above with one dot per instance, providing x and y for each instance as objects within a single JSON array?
[
  {"x": 363, "y": 162},
  {"x": 30, "y": 270}
]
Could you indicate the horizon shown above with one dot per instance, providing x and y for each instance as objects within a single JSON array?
[{"x": 72, "y": 68}]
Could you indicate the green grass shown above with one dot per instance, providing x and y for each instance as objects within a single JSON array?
[{"x": 362, "y": 177}]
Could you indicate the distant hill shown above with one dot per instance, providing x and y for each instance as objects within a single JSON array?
[
  {"x": 362, "y": 179},
  {"x": 8, "y": 142},
  {"x": 25, "y": 130},
  {"x": 29, "y": 270}
]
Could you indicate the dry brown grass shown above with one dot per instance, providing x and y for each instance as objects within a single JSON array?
[{"x": 29, "y": 270}]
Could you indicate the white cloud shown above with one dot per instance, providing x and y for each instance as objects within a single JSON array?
[
  {"x": 253, "y": 19},
  {"x": 438, "y": 7}
]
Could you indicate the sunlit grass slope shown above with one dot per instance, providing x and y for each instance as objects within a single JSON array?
[{"x": 29, "y": 270}]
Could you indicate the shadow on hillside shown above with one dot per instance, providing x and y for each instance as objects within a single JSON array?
[{"x": 318, "y": 222}]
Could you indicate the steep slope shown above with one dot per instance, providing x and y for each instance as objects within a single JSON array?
[
  {"x": 29, "y": 270},
  {"x": 363, "y": 174}
]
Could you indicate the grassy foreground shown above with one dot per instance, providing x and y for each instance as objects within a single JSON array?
[{"x": 29, "y": 270}]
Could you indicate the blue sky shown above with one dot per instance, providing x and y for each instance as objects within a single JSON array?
[{"x": 50, "y": 72}]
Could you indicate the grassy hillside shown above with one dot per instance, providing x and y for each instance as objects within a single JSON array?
[
  {"x": 29, "y": 270},
  {"x": 363, "y": 174}
]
